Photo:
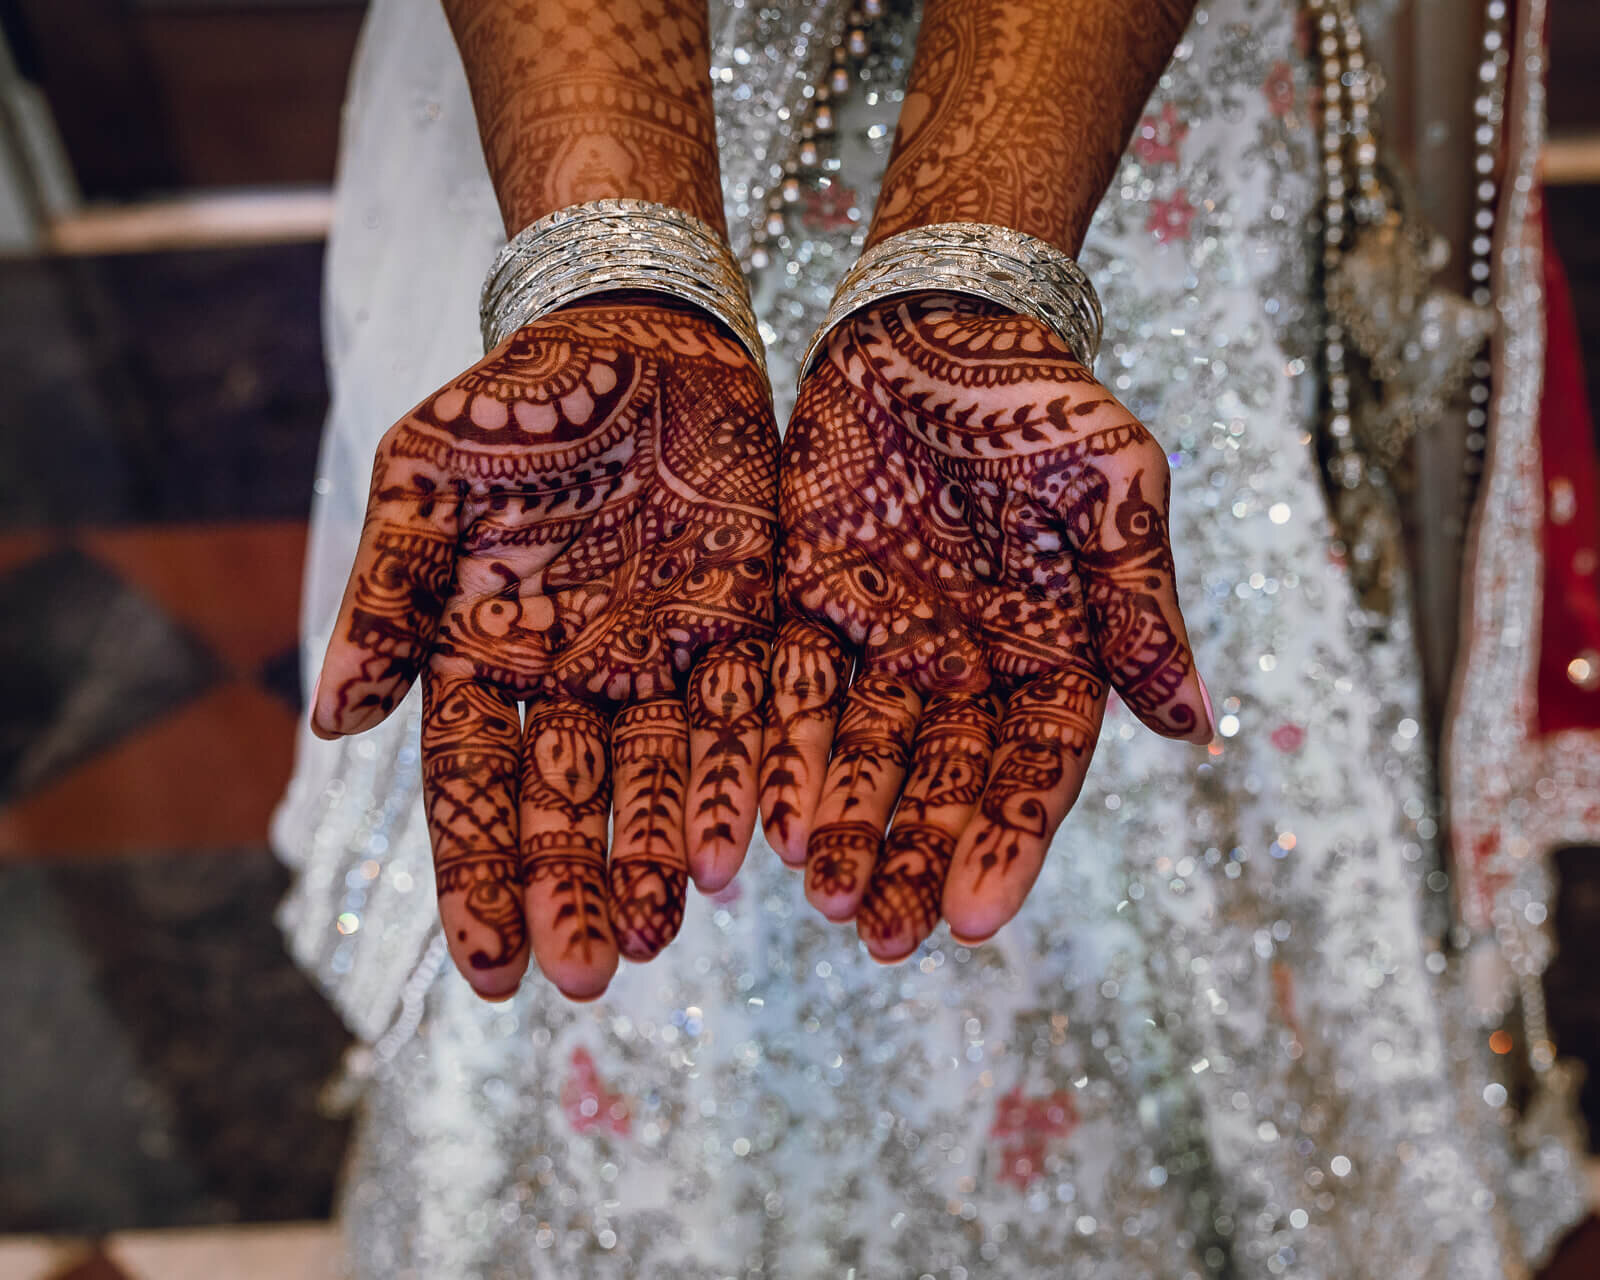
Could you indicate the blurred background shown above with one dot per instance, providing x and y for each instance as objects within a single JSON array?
[{"x": 165, "y": 1098}]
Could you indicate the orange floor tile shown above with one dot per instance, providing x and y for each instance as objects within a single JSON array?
[{"x": 205, "y": 777}]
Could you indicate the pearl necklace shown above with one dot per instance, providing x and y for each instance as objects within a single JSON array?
[
  {"x": 1419, "y": 341},
  {"x": 1488, "y": 109},
  {"x": 815, "y": 132}
]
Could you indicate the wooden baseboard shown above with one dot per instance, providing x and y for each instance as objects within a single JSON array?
[{"x": 213, "y": 220}]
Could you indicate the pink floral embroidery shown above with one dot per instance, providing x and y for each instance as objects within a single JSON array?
[
  {"x": 1023, "y": 1127},
  {"x": 1288, "y": 737},
  {"x": 1157, "y": 138},
  {"x": 1279, "y": 88},
  {"x": 588, "y": 1103},
  {"x": 1170, "y": 219}
]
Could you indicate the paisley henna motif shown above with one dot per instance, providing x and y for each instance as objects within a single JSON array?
[
  {"x": 583, "y": 523},
  {"x": 976, "y": 524}
]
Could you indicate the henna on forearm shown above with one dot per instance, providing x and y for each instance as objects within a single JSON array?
[
  {"x": 583, "y": 100},
  {"x": 1017, "y": 111}
]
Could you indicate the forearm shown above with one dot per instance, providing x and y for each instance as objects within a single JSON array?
[
  {"x": 1018, "y": 110},
  {"x": 592, "y": 99}
]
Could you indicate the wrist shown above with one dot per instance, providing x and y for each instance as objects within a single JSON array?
[{"x": 606, "y": 247}]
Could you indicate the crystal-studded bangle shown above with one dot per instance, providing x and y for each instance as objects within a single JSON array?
[
  {"x": 1022, "y": 272},
  {"x": 605, "y": 245}
]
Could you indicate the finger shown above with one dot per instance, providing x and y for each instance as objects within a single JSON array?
[
  {"x": 1045, "y": 742},
  {"x": 863, "y": 781},
  {"x": 470, "y": 738},
  {"x": 809, "y": 669},
  {"x": 1116, "y": 513},
  {"x": 649, "y": 868},
  {"x": 725, "y": 704},
  {"x": 950, "y": 763},
  {"x": 404, "y": 568},
  {"x": 565, "y": 798}
]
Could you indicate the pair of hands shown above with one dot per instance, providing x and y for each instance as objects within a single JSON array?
[{"x": 973, "y": 542}]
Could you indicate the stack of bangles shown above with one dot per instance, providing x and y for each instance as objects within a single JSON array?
[{"x": 607, "y": 245}]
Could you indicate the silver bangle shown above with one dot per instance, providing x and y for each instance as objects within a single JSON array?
[
  {"x": 605, "y": 245},
  {"x": 1022, "y": 272}
]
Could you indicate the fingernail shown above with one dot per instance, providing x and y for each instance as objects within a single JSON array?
[
  {"x": 1211, "y": 716},
  {"x": 317, "y": 727}
]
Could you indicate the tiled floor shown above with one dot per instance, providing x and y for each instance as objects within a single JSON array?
[{"x": 157, "y": 442}]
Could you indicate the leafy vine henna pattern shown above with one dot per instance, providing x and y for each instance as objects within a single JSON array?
[
  {"x": 977, "y": 531},
  {"x": 582, "y": 523}
]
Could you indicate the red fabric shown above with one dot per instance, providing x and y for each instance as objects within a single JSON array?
[{"x": 1570, "y": 621}]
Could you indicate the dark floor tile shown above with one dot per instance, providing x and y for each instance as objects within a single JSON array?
[
  {"x": 235, "y": 584},
  {"x": 156, "y": 387},
  {"x": 163, "y": 1055},
  {"x": 85, "y": 659},
  {"x": 206, "y": 776},
  {"x": 280, "y": 675}
]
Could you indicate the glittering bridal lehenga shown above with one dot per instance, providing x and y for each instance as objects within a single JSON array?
[{"x": 1224, "y": 1036}]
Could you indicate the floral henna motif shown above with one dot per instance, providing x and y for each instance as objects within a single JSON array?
[
  {"x": 583, "y": 522},
  {"x": 974, "y": 522}
]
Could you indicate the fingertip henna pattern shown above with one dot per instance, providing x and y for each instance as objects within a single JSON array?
[
  {"x": 649, "y": 865},
  {"x": 566, "y": 795},
  {"x": 984, "y": 527},
  {"x": 725, "y": 704},
  {"x": 954, "y": 743},
  {"x": 469, "y": 749},
  {"x": 809, "y": 672},
  {"x": 582, "y": 522}
]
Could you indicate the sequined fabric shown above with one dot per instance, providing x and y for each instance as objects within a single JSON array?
[{"x": 1224, "y": 1037}]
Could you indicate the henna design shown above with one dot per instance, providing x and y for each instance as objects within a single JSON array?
[
  {"x": 565, "y": 795},
  {"x": 649, "y": 868},
  {"x": 584, "y": 522},
  {"x": 1017, "y": 111},
  {"x": 979, "y": 522},
  {"x": 870, "y": 754},
  {"x": 954, "y": 743},
  {"x": 724, "y": 705},
  {"x": 469, "y": 743},
  {"x": 808, "y": 672},
  {"x": 581, "y": 100}
]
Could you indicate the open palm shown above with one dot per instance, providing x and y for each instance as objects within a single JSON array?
[
  {"x": 976, "y": 530},
  {"x": 583, "y": 523}
]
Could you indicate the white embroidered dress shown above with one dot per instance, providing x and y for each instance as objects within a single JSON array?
[{"x": 1223, "y": 1038}]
